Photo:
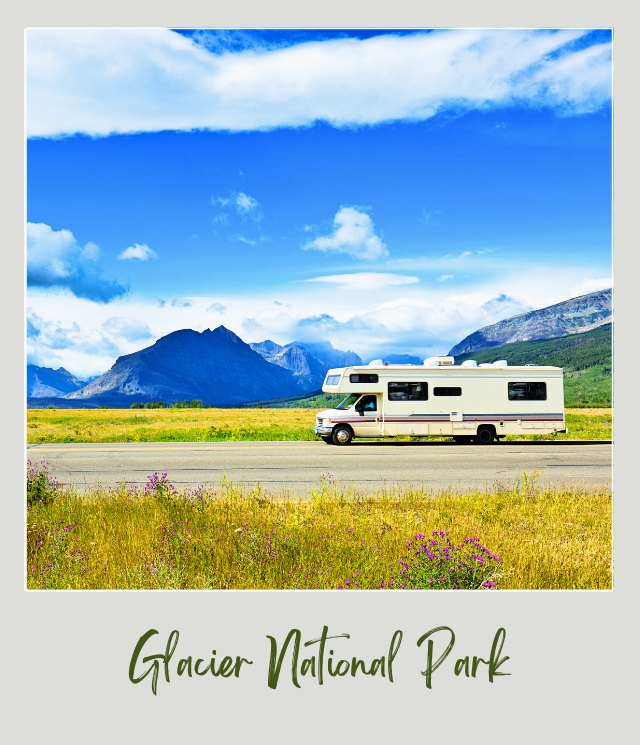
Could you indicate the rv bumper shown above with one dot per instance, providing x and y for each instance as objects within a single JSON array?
[{"x": 321, "y": 430}]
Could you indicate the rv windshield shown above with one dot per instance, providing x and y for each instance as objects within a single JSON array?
[{"x": 348, "y": 401}]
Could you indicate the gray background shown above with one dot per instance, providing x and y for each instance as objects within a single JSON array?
[{"x": 572, "y": 654}]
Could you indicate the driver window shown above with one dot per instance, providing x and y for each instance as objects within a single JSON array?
[{"x": 367, "y": 403}]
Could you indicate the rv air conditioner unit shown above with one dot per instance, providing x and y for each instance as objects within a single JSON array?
[{"x": 438, "y": 362}]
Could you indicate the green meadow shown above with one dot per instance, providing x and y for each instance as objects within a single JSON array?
[{"x": 215, "y": 425}]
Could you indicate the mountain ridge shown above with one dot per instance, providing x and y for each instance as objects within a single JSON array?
[
  {"x": 47, "y": 382},
  {"x": 575, "y": 315},
  {"x": 188, "y": 364}
]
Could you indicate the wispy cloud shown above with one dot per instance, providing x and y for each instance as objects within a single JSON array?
[
  {"x": 139, "y": 251},
  {"x": 130, "y": 329},
  {"x": 365, "y": 280},
  {"x": 353, "y": 234},
  {"x": 105, "y": 81},
  {"x": 55, "y": 259},
  {"x": 242, "y": 204},
  {"x": 87, "y": 349},
  {"x": 216, "y": 308},
  {"x": 468, "y": 260}
]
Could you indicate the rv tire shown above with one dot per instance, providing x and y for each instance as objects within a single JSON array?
[
  {"x": 342, "y": 435},
  {"x": 486, "y": 435}
]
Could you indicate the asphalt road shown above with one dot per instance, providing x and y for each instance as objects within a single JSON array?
[{"x": 293, "y": 467}]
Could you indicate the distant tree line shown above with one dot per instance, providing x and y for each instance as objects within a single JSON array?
[{"x": 193, "y": 404}]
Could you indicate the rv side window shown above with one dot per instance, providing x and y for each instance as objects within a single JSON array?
[
  {"x": 527, "y": 391},
  {"x": 363, "y": 378},
  {"x": 447, "y": 391},
  {"x": 332, "y": 380},
  {"x": 408, "y": 392}
]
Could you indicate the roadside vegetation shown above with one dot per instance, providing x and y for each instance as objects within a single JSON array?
[
  {"x": 516, "y": 535},
  {"x": 217, "y": 425}
]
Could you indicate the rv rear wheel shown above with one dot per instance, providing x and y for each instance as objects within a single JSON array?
[
  {"x": 462, "y": 439},
  {"x": 342, "y": 435},
  {"x": 485, "y": 436}
]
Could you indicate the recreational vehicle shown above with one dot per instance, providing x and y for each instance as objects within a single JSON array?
[{"x": 471, "y": 402}]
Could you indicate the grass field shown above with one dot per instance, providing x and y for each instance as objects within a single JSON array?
[
  {"x": 214, "y": 425},
  {"x": 513, "y": 536}
]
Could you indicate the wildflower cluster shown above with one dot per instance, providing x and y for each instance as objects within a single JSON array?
[
  {"x": 42, "y": 486},
  {"x": 158, "y": 485},
  {"x": 436, "y": 563}
]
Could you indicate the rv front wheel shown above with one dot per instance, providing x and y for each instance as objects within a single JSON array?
[
  {"x": 342, "y": 435},
  {"x": 485, "y": 436}
]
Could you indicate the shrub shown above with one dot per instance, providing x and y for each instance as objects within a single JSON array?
[
  {"x": 435, "y": 563},
  {"x": 42, "y": 487}
]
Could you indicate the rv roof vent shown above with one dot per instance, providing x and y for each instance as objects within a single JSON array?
[
  {"x": 469, "y": 363},
  {"x": 500, "y": 363},
  {"x": 530, "y": 365}
]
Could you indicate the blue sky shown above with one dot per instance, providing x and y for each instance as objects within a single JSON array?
[{"x": 388, "y": 191}]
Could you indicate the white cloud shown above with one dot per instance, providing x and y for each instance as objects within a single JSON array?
[
  {"x": 353, "y": 234},
  {"x": 445, "y": 277},
  {"x": 56, "y": 260},
  {"x": 405, "y": 319},
  {"x": 365, "y": 280},
  {"x": 130, "y": 329},
  {"x": 104, "y": 81},
  {"x": 592, "y": 285},
  {"x": 248, "y": 241},
  {"x": 139, "y": 251},
  {"x": 578, "y": 83},
  {"x": 245, "y": 203},
  {"x": 216, "y": 308},
  {"x": 475, "y": 261},
  {"x": 241, "y": 203}
]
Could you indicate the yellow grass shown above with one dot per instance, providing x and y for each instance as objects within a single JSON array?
[
  {"x": 202, "y": 425},
  {"x": 230, "y": 538}
]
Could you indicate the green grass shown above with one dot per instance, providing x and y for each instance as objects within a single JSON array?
[{"x": 233, "y": 538}]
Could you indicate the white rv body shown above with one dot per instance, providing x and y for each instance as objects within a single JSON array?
[{"x": 469, "y": 402}]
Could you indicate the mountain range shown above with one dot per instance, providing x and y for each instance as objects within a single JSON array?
[
  {"x": 220, "y": 369},
  {"x": 45, "y": 382},
  {"x": 577, "y": 315},
  {"x": 217, "y": 367},
  {"x": 307, "y": 362}
]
